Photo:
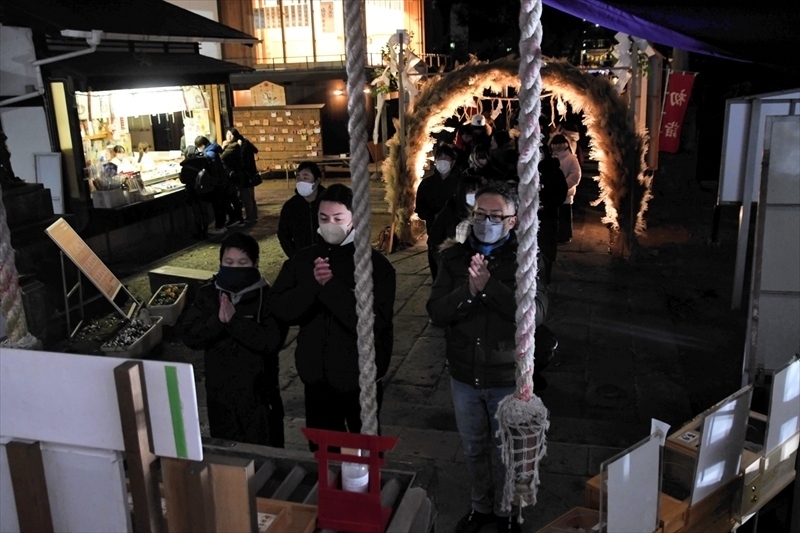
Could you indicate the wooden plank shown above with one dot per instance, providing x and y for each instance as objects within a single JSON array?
[
  {"x": 84, "y": 258},
  {"x": 232, "y": 485},
  {"x": 75, "y": 402},
  {"x": 176, "y": 493},
  {"x": 133, "y": 411},
  {"x": 30, "y": 487},
  {"x": 200, "y": 496}
]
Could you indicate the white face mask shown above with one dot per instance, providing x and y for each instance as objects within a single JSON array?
[
  {"x": 470, "y": 198},
  {"x": 443, "y": 166},
  {"x": 488, "y": 232},
  {"x": 304, "y": 188},
  {"x": 333, "y": 233}
]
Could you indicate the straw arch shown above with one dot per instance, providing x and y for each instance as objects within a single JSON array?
[{"x": 614, "y": 143}]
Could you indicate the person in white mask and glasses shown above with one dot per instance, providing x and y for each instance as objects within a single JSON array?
[
  {"x": 434, "y": 192},
  {"x": 315, "y": 289},
  {"x": 473, "y": 299},
  {"x": 298, "y": 223}
]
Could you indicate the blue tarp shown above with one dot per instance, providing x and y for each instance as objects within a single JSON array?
[{"x": 761, "y": 32}]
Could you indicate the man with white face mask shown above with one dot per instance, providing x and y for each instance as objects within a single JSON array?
[
  {"x": 473, "y": 299},
  {"x": 298, "y": 223},
  {"x": 316, "y": 290},
  {"x": 435, "y": 190}
]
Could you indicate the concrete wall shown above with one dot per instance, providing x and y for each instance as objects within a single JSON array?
[
  {"x": 26, "y": 129},
  {"x": 207, "y": 9},
  {"x": 17, "y": 75}
]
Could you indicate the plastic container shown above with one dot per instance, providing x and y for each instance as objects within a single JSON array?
[
  {"x": 109, "y": 199},
  {"x": 142, "y": 346},
  {"x": 355, "y": 476},
  {"x": 171, "y": 312}
]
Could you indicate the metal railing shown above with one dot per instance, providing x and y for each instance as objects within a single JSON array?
[{"x": 338, "y": 62}]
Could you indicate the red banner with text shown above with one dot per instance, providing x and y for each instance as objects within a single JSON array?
[{"x": 676, "y": 100}]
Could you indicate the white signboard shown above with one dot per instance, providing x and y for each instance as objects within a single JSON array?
[
  {"x": 72, "y": 399},
  {"x": 633, "y": 483}
]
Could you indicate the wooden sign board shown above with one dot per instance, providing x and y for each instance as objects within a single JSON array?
[
  {"x": 72, "y": 399},
  {"x": 84, "y": 258}
]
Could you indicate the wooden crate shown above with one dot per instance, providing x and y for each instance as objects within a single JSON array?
[
  {"x": 671, "y": 511},
  {"x": 289, "y": 517},
  {"x": 577, "y": 519}
]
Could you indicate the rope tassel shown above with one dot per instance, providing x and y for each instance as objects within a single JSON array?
[{"x": 522, "y": 417}]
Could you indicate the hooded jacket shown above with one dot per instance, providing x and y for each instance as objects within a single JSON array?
[
  {"x": 298, "y": 223},
  {"x": 480, "y": 330},
  {"x": 241, "y": 355},
  {"x": 327, "y": 344}
]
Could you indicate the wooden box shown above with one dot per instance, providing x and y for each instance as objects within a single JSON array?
[
  {"x": 671, "y": 511},
  {"x": 288, "y": 516},
  {"x": 577, "y": 519}
]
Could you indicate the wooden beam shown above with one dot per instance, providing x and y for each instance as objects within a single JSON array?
[
  {"x": 135, "y": 420},
  {"x": 232, "y": 485},
  {"x": 30, "y": 487},
  {"x": 201, "y": 498}
]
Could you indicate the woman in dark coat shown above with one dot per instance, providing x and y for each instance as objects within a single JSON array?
[
  {"x": 231, "y": 157},
  {"x": 247, "y": 172},
  {"x": 316, "y": 290},
  {"x": 230, "y": 321}
]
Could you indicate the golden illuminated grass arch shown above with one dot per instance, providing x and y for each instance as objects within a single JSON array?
[{"x": 614, "y": 144}]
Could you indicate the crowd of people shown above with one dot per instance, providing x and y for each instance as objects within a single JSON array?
[{"x": 469, "y": 204}]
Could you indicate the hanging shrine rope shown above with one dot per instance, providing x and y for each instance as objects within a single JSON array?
[
  {"x": 357, "y": 127},
  {"x": 522, "y": 417},
  {"x": 10, "y": 293}
]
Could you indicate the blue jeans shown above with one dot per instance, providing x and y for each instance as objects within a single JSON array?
[{"x": 475, "y": 410}]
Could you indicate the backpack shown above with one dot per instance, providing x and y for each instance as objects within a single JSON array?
[{"x": 200, "y": 174}]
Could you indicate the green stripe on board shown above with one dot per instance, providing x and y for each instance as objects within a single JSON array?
[{"x": 175, "y": 409}]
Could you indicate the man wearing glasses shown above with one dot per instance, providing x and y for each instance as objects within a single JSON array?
[{"x": 473, "y": 299}]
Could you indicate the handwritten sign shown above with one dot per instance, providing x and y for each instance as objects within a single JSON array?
[{"x": 84, "y": 258}]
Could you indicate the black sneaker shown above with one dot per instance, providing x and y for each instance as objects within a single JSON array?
[
  {"x": 474, "y": 521},
  {"x": 508, "y": 524}
]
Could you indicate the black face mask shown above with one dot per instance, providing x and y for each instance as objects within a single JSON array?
[{"x": 235, "y": 279}]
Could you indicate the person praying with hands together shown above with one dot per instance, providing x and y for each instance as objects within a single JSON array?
[
  {"x": 473, "y": 299},
  {"x": 315, "y": 289},
  {"x": 230, "y": 321}
]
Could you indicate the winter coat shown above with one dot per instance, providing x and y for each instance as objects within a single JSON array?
[
  {"x": 480, "y": 329},
  {"x": 298, "y": 223},
  {"x": 327, "y": 350},
  {"x": 249, "y": 151},
  {"x": 213, "y": 151},
  {"x": 241, "y": 357},
  {"x": 232, "y": 160},
  {"x": 445, "y": 223},
  {"x": 433, "y": 192},
  {"x": 572, "y": 171}
]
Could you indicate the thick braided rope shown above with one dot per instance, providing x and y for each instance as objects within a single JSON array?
[
  {"x": 357, "y": 126},
  {"x": 10, "y": 293},
  {"x": 530, "y": 66},
  {"x": 522, "y": 417}
]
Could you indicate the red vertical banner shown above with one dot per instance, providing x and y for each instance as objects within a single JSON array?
[{"x": 676, "y": 100}]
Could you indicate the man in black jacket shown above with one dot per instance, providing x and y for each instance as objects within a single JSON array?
[
  {"x": 298, "y": 223},
  {"x": 434, "y": 192},
  {"x": 473, "y": 299},
  {"x": 230, "y": 321},
  {"x": 316, "y": 290}
]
